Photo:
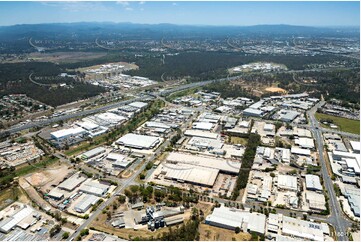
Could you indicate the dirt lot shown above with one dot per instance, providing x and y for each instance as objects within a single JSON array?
[
  {"x": 51, "y": 176},
  {"x": 208, "y": 232},
  {"x": 275, "y": 89}
]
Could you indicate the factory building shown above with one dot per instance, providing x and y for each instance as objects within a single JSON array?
[
  {"x": 305, "y": 143},
  {"x": 299, "y": 151},
  {"x": 350, "y": 162},
  {"x": 287, "y": 115},
  {"x": 138, "y": 105},
  {"x": 67, "y": 133},
  {"x": 138, "y": 141},
  {"x": 91, "y": 153},
  {"x": 83, "y": 205},
  {"x": 287, "y": 182},
  {"x": 353, "y": 198},
  {"x": 94, "y": 188},
  {"x": 201, "y": 134},
  {"x": 202, "y": 126},
  {"x": 118, "y": 160},
  {"x": 204, "y": 143},
  {"x": 313, "y": 183},
  {"x": 251, "y": 112},
  {"x": 16, "y": 219},
  {"x": 223, "y": 165},
  {"x": 356, "y": 146},
  {"x": 295, "y": 229},
  {"x": 231, "y": 218},
  {"x": 72, "y": 182}
]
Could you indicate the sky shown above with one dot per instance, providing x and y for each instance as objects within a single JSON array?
[{"x": 190, "y": 13}]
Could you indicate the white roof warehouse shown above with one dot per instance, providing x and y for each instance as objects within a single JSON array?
[{"x": 138, "y": 141}]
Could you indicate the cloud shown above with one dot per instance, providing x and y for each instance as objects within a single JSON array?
[
  {"x": 174, "y": 4},
  {"x": 142, "y": 9},
  {"x": 141, "y": 2},
  {"x": 129, "y": 9},
  {"x": 123, "y": 3},
  {"x": 77, "y": 6}
]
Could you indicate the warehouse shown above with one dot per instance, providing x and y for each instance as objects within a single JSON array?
[
  {"x": 350, "y": 162},
  {"x": 72, "y": 182},
  {"x": 9, "y": 223},
  {"x": 355, "y": 145},
  {"x": 109, "y": 119},
  {"x": 305, "y": 143},
  {"x": 204, "y": 143},
  {"x": 156, "y": 125},
  {"x": 87, "y": 125},
  {"x": 94, "y": 188},
  {"x": 287, "y": 182},
  {"x": 231, "y": 218},
  {"x": 118, "y": 160},
  {"x": 316, "y": 201},
  {"x": 91, "y": 153},
  {"x": 287, "y": 115},
  {"x": 55, "y": 194},
  {"x": 138, "y": 141},
  {"x": 67, "y": 133},
  {"x": 201, "y": 134},
  {"x": 139, "y": 105},
  {"x": 85, "y": 203},
  {"x": 298, "y": 151},
  {"x": 252, "y": 112},
  {"x": 191, "y": 174},
  {"x": 353, "y": 197},
  {"x": 202, "y": 126},
  {"x": 313, "y": 183},
  {"x": 302, "y": 229},
  {"x": 223, "y": 165}
]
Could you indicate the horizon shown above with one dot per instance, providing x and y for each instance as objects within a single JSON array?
[{"x": 238, "y": 14}]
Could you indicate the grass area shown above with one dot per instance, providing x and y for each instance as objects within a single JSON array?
[
  {"x": 8, "y": 196},
  {"x": 238, "y": 140},
  {"x": 346, "y": 125},
  {"x": 182, "y": 93},
  {"x": 26, "y": 169},
  {"x": 207, "y": 232}
]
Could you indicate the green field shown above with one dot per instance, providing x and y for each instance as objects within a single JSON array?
[{"x": 346, "y": 125}]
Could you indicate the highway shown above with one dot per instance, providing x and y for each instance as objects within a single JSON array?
[{"x": 337, "y": 217}]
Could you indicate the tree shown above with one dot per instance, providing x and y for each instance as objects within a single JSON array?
[
  {"x": 237, "y": 230},
  {"x": 65, "y": 235}
]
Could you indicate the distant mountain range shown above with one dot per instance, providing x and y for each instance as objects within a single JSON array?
[{"x": 156, "y": 30}]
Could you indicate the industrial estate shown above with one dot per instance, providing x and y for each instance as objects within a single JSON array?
[{"x": 121, "y": 145}]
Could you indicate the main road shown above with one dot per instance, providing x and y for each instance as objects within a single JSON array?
[{"x": 336, "y": 217}]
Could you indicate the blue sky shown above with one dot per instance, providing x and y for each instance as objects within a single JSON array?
[{"x": 199, "y": 13}]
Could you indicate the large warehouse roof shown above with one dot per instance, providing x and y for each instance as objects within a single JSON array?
[
  {"x": 232, "y": 218},
  {"x": 138, "y": 104},
  {"x": 7, "y": 224},
  {"x": 67, "y": 132},
  {"x": 313, "y": 182},
  {"x": 302, "y": 229},
  {"x": 138, "y": 141},
  {"x": 202, "y": 126},
  {"x": 201, "y": 134},
  {"x": 190, "y": 173},
  {"x": 208, "y": 162},
  {"x": 205, "y": 143},
  {"x": 287, "y": 182},
  {"x": 72, "y": 182},
  {"x": 85, "y": 203},
  {"x": 94, "y": 188}
]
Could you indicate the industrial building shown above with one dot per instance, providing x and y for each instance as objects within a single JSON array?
[
  {"x": 287, "y": 182},
  {"x": 204, "y": 143},
  {"x": 118, "y": 160},
  {"x": 202, "y": 126},
  {"x": 299, "y": 151},
  {"x": 138, "y": 141},
  {"x": 85, "y": 203},
  {"x": 191, "y": 174},
  {"x": 315, "y": 200},
  {"x": 231, "y": 218},
  {"x": 138, "y": 105},
  {"x": 18, "y": 219},
  {"x": 72, "y": 182},
  {"x": 350, "y": 162},
  {"x": 223, "y": 165},
  {"x": 94, "y": 188},
  {"x": 313, "y": 183},
  {"x": 67, "y": 133},
  {"x": 287, "y": 228},
  {"x": 201, "y": 134},
  {"x": 305, "y": 143},
  {"x": 92, "y": 153},
  {"x": 353, "y": 198},
  {"x": 253, "y": 112},
  {"x": 287, "y": 115},
  {"x": 356, "y": 146}
]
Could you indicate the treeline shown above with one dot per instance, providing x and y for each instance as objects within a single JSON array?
[
  {"x": 14, "y": 79},
  {"x": 208, "y": 65},
  {"x": 228, "y": 89},
  {"x": 247, "y": 162}
]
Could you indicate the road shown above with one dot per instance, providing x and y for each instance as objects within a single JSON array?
[
  {"x": 124, "y": 184},
  {"x": 337, "y": 217}
]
